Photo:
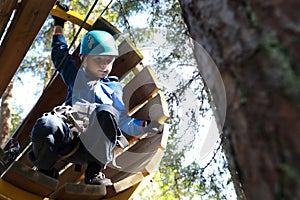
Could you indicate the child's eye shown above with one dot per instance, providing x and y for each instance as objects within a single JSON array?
[
  {"x": 106, "y": 61},
  {"x": 98, "y": 60}
]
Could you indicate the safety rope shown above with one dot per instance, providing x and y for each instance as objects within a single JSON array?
[
  {"x": 126, "y": 22},
  {"x": 105, "y": 9},
  {"x": 127, "y": 25}
]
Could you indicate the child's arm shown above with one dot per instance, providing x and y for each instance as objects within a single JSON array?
[
  {"x": 130, "y": 126},
  {"x": 62, "y": 60}
]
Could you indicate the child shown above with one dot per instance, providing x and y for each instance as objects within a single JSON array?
[{"x": 89, "y": 87}]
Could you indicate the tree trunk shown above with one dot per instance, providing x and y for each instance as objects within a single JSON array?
[
  {"x": 6, "y": 114},
  {"x": 255, "y": 45}
]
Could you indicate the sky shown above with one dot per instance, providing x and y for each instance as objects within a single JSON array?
[{"x": 27, "y": 92}]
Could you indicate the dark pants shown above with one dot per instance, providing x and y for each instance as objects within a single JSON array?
[{"x": 52, "y": 138}]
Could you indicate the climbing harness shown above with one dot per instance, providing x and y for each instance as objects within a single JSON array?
[
  {"x": 70, "y": 117},
  {"x": 77, "y": 118}
]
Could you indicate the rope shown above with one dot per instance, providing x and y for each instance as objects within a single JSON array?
[
  {"x": 106, "y": 7},
  {"x": 127, "y": 25},
  {"x": 126, "y": 22}
]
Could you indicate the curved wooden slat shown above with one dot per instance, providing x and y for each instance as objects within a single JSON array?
[
  {"x": 9, "y": 191},
  {"x": 24, "y": 177}
]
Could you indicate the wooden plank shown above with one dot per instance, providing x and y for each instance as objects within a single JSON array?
[
  {"x": 143, "y": 184},
  {"x": 128, "y": 182},
  {"x": 153, "y": 164},
  {"x": 11, "y": 192},
  {"x": 155, "y": 109},
  {"x": 140, "y": 89},
  {"x": 130, "y": 192},
  {"x": 72, "y": 191},
  {"x": 136, "y": 158},
  {"x": 145, "y": 147},
  {"x": 6, "y": 9},
  {"x": 32, "y": 181},
  {"x": 103, "y": 24},
  {"x": 27, "y": 23},
  {"x": 70, "y": 175},
  {"x": 127, "y": 194},
  {"x": 128, "y": 58}
]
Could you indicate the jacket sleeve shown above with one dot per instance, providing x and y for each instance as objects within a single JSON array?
[
  {"x": 128, "y": 125},
  {"x": 67, "y": 68}
]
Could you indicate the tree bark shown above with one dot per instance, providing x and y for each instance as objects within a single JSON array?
[
  {"x": 6, "y": 106},
  {"x": 255, "y": 45}
]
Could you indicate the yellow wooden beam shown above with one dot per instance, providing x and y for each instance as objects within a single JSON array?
[
  {"x": 71, "y": 16},
  {"x": 9, "y": 191}
]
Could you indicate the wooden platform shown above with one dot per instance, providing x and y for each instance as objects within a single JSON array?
[
  {"x": 32, "y": 181},
  {"x": 72, "y": 191}
]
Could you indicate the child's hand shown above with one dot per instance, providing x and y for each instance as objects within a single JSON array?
[
  {"x": 62, "y": 6},
  {"x": 154, "y": 127},
  {"x": 57, "y": 20}
]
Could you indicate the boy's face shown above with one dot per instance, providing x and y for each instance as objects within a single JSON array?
[{"x": 99, "y": 66}]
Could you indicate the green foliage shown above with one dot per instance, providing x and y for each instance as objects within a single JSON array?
[
  {"x": 175, "y": 181},
  {"x": 15, "y": 121}
]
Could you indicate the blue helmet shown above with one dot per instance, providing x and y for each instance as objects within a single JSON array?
[{"x": 98, "y": 42}]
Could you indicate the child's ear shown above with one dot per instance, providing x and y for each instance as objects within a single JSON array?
[
  {"x": 83, "y": 60},
  {"x": 82, "y": 57}
]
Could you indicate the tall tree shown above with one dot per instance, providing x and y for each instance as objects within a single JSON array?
[
  {"x": 256, "y": 45},
  {"x": 176, "y": 180},
  {"x": 6, "y": 110}
]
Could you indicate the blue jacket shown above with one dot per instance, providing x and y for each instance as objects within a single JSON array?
[{"x": 108, "y": 90}]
